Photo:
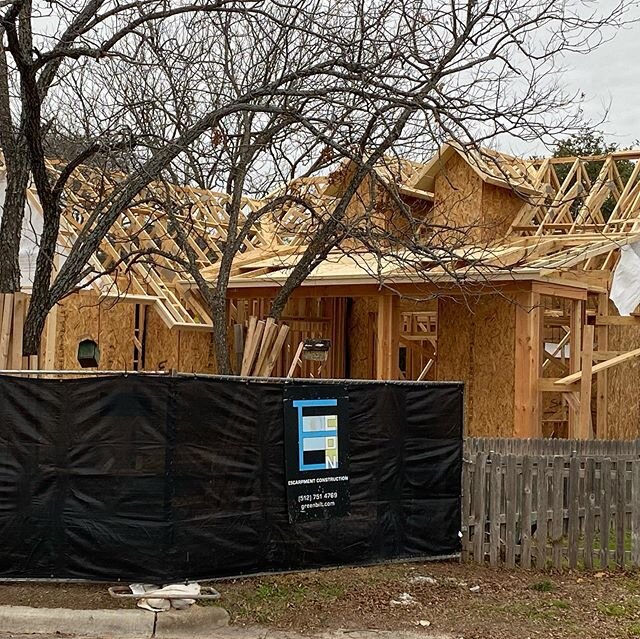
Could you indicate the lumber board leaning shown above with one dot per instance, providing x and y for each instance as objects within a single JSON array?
[
  {"x": 268, "y": 337},
  {"x": 5, "y": 330},
  {"x": 614, "y": 361},
  {"x": 253, "y": 321},
  {"x": 296, "y": 359},
  {"x": 254, "y": 347},
  {"x": 276, "y": 350}
]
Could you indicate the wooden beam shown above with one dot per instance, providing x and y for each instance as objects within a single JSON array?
[
  {"x": 614, "y": 320},
  {"x": 584, "y": 424},
  {"x": 602, "y": 401},
  {"x": 575, "y": 348},
  {"x": 388, "y": 333},
  {"x": 48, "y": 354},
  {"x": 560, "y": 290},
  {"x": 548, "y": 385},
  {"x": 5, "y": 329},
  {"x": 19, "y": 308},
  {"x": 602, "y": 366},
  {"x": 529, "y": 318}
]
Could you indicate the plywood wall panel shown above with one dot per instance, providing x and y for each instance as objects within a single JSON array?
[
  {"x": 84, "y": 316},
  {"x": 476, "y": 345},
  {"x": 458, "y": 203},
  {"x": 623, "y": 384},
  {"x": 499, "y": 207}
]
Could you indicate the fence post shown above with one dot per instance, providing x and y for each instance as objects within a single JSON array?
[
  {"x": 605, "y": 511},
  {"x": 495, "y": 501},
  {"x": 573, "y": 510},
  {"x": 511, "y": 488},
  {"x": 635, "y": 513},
  {"x": 589, "y": 512},
  {"x": 557, "y": 485},
  {"x": 527, "y": 483},
  {"x": 621, "y": 506},
  {"x": 480, "y": 477},
  {"x": 542, "y": 513},
  {"x": 466, "y": 505}
]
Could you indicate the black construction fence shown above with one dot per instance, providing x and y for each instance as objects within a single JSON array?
[{"x": 152, "y": 478}]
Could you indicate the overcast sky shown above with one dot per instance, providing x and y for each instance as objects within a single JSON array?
[{"x": 610, "y": 83}]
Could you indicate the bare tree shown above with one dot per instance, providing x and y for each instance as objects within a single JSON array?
[{"x": 243, "y": 95}]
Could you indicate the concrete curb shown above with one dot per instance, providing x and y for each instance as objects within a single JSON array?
[
  {"x": 92, "y": 623},
  {"x": 196, "y": 623},
  {"x": 184, "y": 624}
]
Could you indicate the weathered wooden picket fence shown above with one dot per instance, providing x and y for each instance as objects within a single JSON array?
[
  {"x": 546, "y": 510},
  {"x": 579, "y": 447}
]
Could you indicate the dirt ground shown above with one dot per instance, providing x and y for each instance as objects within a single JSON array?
[{"x": 464, "y": 601}]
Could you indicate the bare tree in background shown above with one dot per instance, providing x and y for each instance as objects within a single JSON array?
[{"x": 241, "y": 96}]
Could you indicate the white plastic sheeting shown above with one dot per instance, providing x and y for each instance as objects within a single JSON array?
[{"x": 625, "y": 288}]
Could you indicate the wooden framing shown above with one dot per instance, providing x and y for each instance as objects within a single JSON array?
[
  {"x": 388, "y": 333},
  {"x": 554, "y": 263},
  {"x": 528, "y": 365}
]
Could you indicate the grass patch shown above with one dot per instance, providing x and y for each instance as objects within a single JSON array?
[
  {"x": 634, "y": 630},
  {"x": 543, "y": 586},
  {"x": 615, "y": 610},
  {"x": 561, "y": 605},
  {"x": 330, "y": 590}
]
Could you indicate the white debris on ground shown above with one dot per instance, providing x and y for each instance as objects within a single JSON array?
[
  {"x": 474, "y": 589},
  {"x": 420, "y": 579},
  {"x": 405, "y": 599},
  {"x": 157, "y": 600}
]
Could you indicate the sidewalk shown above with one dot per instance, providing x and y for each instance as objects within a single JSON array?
[{"x": 209, "y": 622}]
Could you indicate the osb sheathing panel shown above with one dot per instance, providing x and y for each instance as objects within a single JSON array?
[
  {"x": 623, "y": 382},
  {"x": 458, "y": 202},
  {"x": 499, "y": 206},
  {"x": 83, "y": 316},
  {"x": 476, "y": 345},
  {"x": 184, "y": 351}
]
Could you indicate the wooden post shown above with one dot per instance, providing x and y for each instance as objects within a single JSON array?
[
  {"x": 388, "y": 334},
  {"x": 528, "y": 365},
  {"x": 585, "y": 430},
  {"x": 48, "y": 353},
  {"x": 602, "y": 429},
  {"x": 5, "y": 330},
  {"x": 575, "y": 347},
  {"x": 19, "y": 308}
]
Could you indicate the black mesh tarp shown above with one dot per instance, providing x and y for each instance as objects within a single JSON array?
[{"x": 164, "y": 478}]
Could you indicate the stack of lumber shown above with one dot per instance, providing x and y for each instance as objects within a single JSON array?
[
  {"x": 13, "y": 311},
  {"x": 262, "y": 347}
]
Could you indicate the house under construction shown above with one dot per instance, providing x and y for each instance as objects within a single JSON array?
[{"x": 519, "y": 310}]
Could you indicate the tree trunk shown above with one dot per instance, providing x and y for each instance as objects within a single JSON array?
[
  {"x": 12, "y": 217},
  {"x": 34, "y": 325},
  {"x": 220, "y": 338}
]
